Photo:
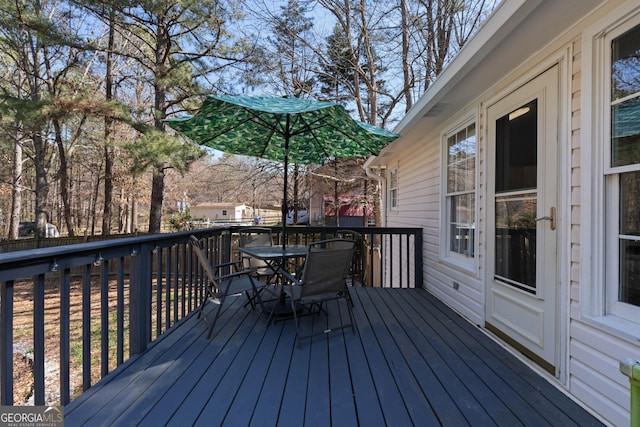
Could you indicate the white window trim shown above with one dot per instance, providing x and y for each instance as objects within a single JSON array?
[
  {"x": 393, "y": 207},
  {"x": 599, "y": 228},
  {"x": 453, "y": 258}
]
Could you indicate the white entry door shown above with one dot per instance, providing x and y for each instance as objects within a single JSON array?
[{"x": 522, "y": 189}]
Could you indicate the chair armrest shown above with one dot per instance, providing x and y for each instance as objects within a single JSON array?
[
  {"x": 236, "y": 274},
  {"x": 290, "y": 277},
  {"x": 235, "y": 264}
]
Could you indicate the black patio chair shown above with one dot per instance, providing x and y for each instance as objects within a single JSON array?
[
  {"x": 256, "y": 236},
  {"x": 220, "y": 286},
  {"x": 323, "y": 279},
  {"x": 354, "y": 267}
]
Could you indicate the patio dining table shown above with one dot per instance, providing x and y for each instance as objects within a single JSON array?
[{"x": 277, "y": 258}]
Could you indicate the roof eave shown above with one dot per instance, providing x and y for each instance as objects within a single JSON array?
[{"x": 510, "y": 36}]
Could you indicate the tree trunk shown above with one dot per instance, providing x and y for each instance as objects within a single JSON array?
[
  {"x": 160, "y": 112},
  {"x": 134, "y": 215},
  {"x": 122, "y": 213},
  {"x": 157, "y": 195},
  {"x": 406, "y": 67},
  {"x": 336, "y": 203},
  {"x": 39, "y": 146},
  {"x": 94, "y": 204},
  {"x": 16, "y": 192},
  {"x": 365, "y": 204},
  {"x": 42, "y": 184},
  {"x": 108, "y": 122},
  {"x": 64, "y": 179},
  {"x": 108, "y": 186},
  {"x": 371, "y": 78}
]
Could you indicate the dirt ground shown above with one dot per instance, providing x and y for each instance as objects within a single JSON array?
[
  {"x": 23, "y": 338},
  {"x": 22, "y": 378}
]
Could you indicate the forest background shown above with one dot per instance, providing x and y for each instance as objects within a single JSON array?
[{"x": 85, "y": 86}]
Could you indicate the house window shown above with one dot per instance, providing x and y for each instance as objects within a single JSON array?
[
  {"x": 622, "y": 177},
  {"x": 460, "y": 192},
  {"x": 393, "y": 189},
  {"x": 224, "y": 212}
]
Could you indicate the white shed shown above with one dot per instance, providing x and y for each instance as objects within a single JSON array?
[{"x": 233, "y": 212}]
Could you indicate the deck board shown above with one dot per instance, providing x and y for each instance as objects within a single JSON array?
[
  {"x": 439, "y": 391},
  {"x": 389, "y": 335},
  {"x": 446, "y": 368},
  {"x": 462, "y": 357},
  {"x": 411, "y": 361}
]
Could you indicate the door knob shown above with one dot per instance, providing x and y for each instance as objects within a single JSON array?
[{"x": 551, "y": 218}]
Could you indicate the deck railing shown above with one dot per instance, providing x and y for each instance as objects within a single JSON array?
[
  {"x": 105, "y": 302},
  {"x": 387, "y": 257}
]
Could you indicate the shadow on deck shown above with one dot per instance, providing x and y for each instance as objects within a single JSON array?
[{"x": 412, "y": 361}]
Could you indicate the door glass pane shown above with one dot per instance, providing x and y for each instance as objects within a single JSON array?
[
  {"x": 517, "y": 149},
  {"x": 516, "y": 208},
  {"x": 516, "y": 240}
]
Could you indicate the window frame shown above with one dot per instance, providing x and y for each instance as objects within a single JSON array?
[
  {"x": 447, "y": 253},
  {"x": 612, "y": 175},
  {"x": 393, "y": 189},
  {"x": 599, "y": 224}
]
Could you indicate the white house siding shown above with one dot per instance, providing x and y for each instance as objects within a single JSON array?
[
  {"x": 419, "y": 200},
  {"x": 591, "y": 346},
  {"x": 414, "y": 209},
  {"x": 595, "y": 347},
  {"x": 595, "y": 377}
]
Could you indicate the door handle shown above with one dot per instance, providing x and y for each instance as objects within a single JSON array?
[{"x": 551, "y": 218}]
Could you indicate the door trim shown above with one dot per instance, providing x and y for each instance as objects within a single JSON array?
[{"x": 563, "y": 171}]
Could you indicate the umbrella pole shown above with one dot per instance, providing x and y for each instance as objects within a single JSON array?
[
  {"x": 285, "y": 204},
  {"x": 285, "y": 207}
]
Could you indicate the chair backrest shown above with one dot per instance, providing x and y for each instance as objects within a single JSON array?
[
  {"x": 356, "y": 266},
  {"x": 326, "y": 267},
  {"x": 204, "y": 261},
  {"x": 348, "y": 234},
  {"x": 254, "y": 236}
]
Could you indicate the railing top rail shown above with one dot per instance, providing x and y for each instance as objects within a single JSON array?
[
  {"x": 77, "y": 249},
  {"x": 41, "y": 260},
  {"x": 168, "y": 239},
  {"x": 292, "y": 229}
]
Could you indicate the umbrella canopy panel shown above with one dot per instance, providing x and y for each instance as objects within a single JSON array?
[{"x": 281, "y": 129}]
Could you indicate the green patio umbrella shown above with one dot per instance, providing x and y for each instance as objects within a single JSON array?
[{"x": 281, "y": 129}]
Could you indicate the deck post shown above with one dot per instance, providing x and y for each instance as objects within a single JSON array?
[
  {"x": 6, "y": 343},
  {"x": 631, "y": 368},
  {"x": 419, "y": 275},
  {"x": 140, "y": 288}
]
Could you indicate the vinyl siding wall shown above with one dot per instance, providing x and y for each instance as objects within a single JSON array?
[
  {"x": 595, "y": 349},
  {"x": 419, "y": 204},
  {"x": 590, "y": 353}
]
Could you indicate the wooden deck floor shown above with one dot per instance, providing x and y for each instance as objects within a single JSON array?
[{"x": 412, "y": 361}]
